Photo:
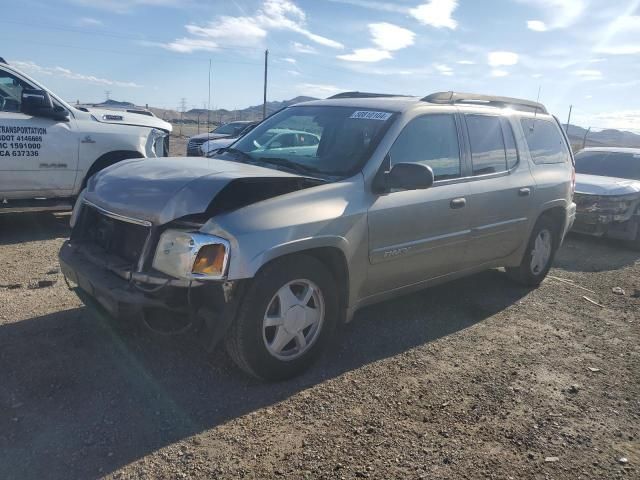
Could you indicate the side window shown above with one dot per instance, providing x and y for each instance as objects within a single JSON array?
[
  {"x": 545, "y": 141},
  {"x": 488, "y": 154},
  {"x": 10, "y": 92},
  {"x": 431, "y": 140}
]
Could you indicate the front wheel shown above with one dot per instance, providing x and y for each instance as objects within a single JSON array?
[
  {"x": 538, "y": 257},
  {"x": 287, "y": 317}
]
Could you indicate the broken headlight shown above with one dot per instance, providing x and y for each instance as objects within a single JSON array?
[{"x": 191, "y": 255}]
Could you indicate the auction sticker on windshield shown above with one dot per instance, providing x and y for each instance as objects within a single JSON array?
[{"x": 369, "y": 115}]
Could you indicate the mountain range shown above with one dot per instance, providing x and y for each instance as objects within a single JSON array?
[{"x": 608, "y": 137}]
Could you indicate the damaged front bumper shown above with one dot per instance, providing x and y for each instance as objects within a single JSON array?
[
  {"x": 613, "y": 217},
  {"x": 126, "y": 294}
]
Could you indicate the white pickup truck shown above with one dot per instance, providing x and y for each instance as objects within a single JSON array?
[{"x": 49, "y": 149}]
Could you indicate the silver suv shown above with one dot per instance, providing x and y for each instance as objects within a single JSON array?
[{"x": 271, "y": 248}]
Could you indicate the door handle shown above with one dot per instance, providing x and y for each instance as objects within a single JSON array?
[
  {"x": 458, "y": 203},
  {"x": 524, "y": 192}
]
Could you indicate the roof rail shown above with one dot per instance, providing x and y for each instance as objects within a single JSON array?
[
  {"x": 452, "y": 98},
  {"x": 363, "y": 95},
  {"x": 2, "y": 60}
]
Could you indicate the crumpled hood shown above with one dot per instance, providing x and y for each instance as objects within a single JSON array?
[
  {"x": 598, "y": 185},
  {"x": 127, "y": 118},
  {"x": 162, "y": 189}
]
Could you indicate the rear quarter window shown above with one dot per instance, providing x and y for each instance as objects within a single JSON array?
[{"x": 545, "y": 142}]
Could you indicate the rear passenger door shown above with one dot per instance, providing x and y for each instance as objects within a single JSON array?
[{"x": 501, "y": 189}]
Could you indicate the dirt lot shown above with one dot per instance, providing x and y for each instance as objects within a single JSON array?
[{"x": 475, "y": 379}]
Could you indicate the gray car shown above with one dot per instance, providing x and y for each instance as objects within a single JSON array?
[
  {"x": 271, "y": 249},
  {"x": 228, "y": 130},
  {"x": 608, "y": 193}
]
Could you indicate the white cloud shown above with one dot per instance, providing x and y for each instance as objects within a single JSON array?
[
  {"x": 188, "y": 45},
  {"x": 295, "y": 73},
  {"x": 88, "y": 22},
  {"x": 29, "y": 66},
  {"x": 286, "y": 15},
  {"x": 621, "y": 36},
  {"x": 250, "y": 30},
  {"x": 557, "y": 13},
  {"x": 236, "y": 31},
  {"x": 366, "y": 55},
  {"x": 620, "y": 119},
  {"x": 443, "y": 69},
  {"x": 390, "y": 37},
  {"x": 318, "y": 90},
  {"x": 588, "y": 74},
  {"x": 302, "y": 48},
  {"x": 497, "y": 59},
  {"x": 437, "y": 13},
  {"x": 289, "y": 60},
  {"x": 537, "y": 26},
  {"x": 499, "y": 73},
  {"x": 466, "y": 62},
  {"x": 387, "y": 37}
]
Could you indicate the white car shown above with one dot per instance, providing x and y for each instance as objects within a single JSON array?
[{"x": 49, "y": 149}]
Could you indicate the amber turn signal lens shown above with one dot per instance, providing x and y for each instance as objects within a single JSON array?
[{"x": 210, "y": 260}]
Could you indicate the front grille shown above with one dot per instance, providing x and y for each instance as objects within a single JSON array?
[
  {"x": 193, "y": 147},
  {"x": 111, "y": 236}
]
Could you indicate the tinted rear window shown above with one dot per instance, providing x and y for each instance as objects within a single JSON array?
[
  {"x": 609, "y": 164},
  {"x": 545, "y": 141}
]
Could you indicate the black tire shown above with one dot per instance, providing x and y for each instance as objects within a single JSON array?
[
  {"x": 525, "y": 274},
  {"x": 245, "y": 341}
]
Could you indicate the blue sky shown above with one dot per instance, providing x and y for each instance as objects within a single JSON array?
[{"x": 580, "y": 52}]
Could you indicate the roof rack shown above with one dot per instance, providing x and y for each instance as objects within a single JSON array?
[
  {"x": 363, "y": 95},
  {"x": 452, "y": 98}
]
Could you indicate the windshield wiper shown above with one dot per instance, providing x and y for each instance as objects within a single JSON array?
[{"x": 283, "y": 162}]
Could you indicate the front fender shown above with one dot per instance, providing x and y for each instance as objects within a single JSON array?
[{"x": 297, "y": 246}]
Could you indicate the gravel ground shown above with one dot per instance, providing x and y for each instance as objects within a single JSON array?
[{"x": 475, "y": 379}]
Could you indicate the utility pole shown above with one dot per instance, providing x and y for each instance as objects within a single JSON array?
[
  {"x": 264, "y": 102},
  {"x": 183, "y": 108},
  {"x": 209, "y": 100},
  {"x": 584, "y": 140},
  {"x": 568, "y": 120},
  {"x": 107, "y": 93}
]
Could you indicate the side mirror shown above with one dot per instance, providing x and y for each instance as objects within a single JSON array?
[
  {"x": 405, "y": 176},
  {"x": 39, "y": 104}
]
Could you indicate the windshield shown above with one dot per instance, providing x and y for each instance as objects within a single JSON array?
[
  {"x": 609, "y": 164},
  {"x": 229, "y": 128},
  {"x": 326, "y": 140}
]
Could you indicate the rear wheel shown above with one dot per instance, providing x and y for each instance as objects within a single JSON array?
[
  {"x": 286, "y": 319},
  {"x": 539, "y": 255}
]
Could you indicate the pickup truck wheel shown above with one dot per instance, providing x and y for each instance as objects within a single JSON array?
[
  {"x": 286, "y": 318},
  {"x": 539, "y": 254}
]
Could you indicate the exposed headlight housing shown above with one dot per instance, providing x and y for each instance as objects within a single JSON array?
[
  {"x": 158, "y": 143},
  {"x": 191, "y": 255}
]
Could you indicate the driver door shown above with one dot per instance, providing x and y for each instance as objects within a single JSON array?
[
  {"x": 38, "y": 156},
  {"x": 418, "y": 235}
]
